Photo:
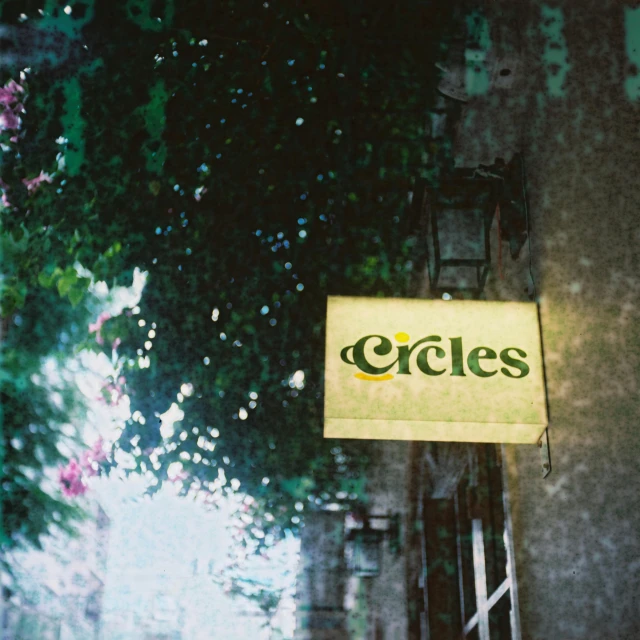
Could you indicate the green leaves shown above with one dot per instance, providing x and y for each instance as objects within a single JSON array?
[
  {"x": 47, "y": 280},
  {"x": 284, "y": 216},
  {"x": 67, "y": 282},
  {"x": 114, "y": 249},
  {"x": 76, "y": 294},
  {"x": 14, "y": 244},
  {"x": 14, "y": 293}
]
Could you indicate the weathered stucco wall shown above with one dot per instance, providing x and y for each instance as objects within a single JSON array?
[
  {"x": 572, "y": 112},
  {"x": 577, "y": 541},
  {"x": 576, "y": 533},
  {"x": 388, "y": 485}
]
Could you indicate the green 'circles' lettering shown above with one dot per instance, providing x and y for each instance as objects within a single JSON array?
[
  {"x": 404, "y": 353},
  {"x": 456, "y": 357},
  {"x": 382, "y": 349},
  {"x": 522, "y": 367},
  {"x": 355, "y": 355},
  {"x": 423, "y": 358},
  {"x": 403, "y": 360},
  {"x": 473, "y": 361},
  {"x": 344, "y": 355}
]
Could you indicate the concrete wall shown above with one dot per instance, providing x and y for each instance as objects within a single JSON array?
[
  {"x": 322, "y": 578},
  {"x": 576, "y": 533},
  {"x": 389, "y": 484}
]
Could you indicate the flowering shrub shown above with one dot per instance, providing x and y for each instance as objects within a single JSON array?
[
  {"x": 72, "y": 477},
  {"x": 11, "y": 121}
]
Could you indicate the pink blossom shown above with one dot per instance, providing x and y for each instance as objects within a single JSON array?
[
  {"x": 116, "y": 343},
  {"x": 86, "y": 462},
  {"x": 9, "y": 120},
  {"x": 6, "y": 96},
  {"x": 14, "y": 87},
  {"x": 91, "y": 459},
  {"x": 97, "y": 325},
  {"x": 113, "y": 391},
  {"x": 34, "y": 182},
  {"x": 97, "y": 451},
  {"x": 102, "y": 318},
  {"x": 71, "y": 481},
  {"x": 8, "y": 93}
]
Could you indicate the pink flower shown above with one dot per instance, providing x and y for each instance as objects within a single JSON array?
[
  {"x": 34, "y": 182},
  {"x": 9, "y": 120},
  {"x": 97, "y": 451},
  {"x": 97, "y": 325},
  {"x": 8, "y": 93},
  {"x": 91, "y": 459},
  {"x": 86, "y": 462},
  {"x": 6, "y": 97},
  {"x": 102, "y": 318},
  {"x": 70, "y": 478},
  {"x": 14, "y": 87},
  {"x": 115, "y": 344}
]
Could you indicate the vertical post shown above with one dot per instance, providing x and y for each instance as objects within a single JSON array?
[
  {"x": 508, "y": 542},
  {"x": 480, "y": 579},
  {"x": 456, "y": 506}
]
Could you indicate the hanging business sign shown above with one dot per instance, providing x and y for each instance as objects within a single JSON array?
[{"x": 465, "y": 371}]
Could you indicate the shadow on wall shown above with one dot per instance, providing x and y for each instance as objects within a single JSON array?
[{"x": 574, "y": 112}]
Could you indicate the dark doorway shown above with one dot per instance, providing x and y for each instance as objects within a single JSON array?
[{"x": 466, "y": 586}]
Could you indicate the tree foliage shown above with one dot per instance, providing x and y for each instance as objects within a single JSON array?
[
  {"x": 253, "y": 158},
  {"x": 44, "y": 311}
]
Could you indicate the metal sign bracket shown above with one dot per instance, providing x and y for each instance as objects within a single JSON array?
[{"x": 545, "y": 458}]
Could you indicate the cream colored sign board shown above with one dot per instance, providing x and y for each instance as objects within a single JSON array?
[{"x": 465, "y": 371}]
